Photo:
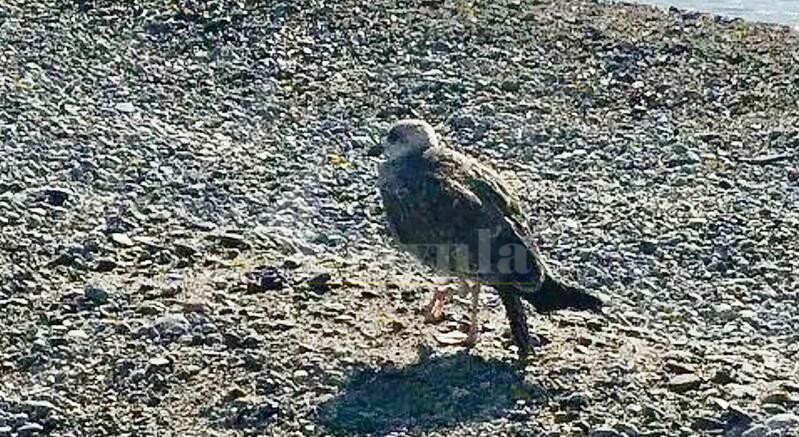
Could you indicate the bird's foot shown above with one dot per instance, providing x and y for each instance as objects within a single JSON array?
[
  {"x": 471, "y": 337},
  {"x": 526, "y": 347},
  {"x": 434, "y": 310}
]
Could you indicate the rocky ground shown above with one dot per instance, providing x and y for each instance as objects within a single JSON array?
[{"x": 191, "y": 241}]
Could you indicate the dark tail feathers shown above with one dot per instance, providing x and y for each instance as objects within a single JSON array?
[{"x": 555, "y": 295}]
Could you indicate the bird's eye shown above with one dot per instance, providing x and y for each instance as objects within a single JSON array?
[{"x": 393, "y": 136}]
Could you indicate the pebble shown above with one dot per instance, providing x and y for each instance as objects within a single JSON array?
[
  {"x": 684, "y": 383},
  {"x": 105, "y": 265},
  {"x": 96, "y": 295},
  {"x": 707, "y": 424},
  {"x": 267, "y": 279},
  {"x": 159, "y": 362},
  {"x": 77, "y": 334},
  {"x": 604, "y": 432},
  {"x": 232, "y": 240},
  {"x": 122, "y": 240},
  {"x": 150, "y": 308},
  {"x": 755, "y": 431},
  {"x": 171, "y": 325},
  {"x": 125, "y": 107},
  {"x": 30, "y": 428},
  {"x": 56, "y": 196},
  {"x": 784, "y": 421},
  {"x": 780, "y": 397}
]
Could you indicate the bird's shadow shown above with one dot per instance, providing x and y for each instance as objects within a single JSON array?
[{"x": 435, "y": 392}]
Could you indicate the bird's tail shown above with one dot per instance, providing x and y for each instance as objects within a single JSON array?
[{"x": 555, "y": 295}]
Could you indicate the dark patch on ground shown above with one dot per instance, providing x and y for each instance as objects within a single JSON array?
[{"x": 435, "y": 392}]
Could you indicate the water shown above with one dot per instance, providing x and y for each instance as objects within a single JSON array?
[{"x": 772, "y": 11}]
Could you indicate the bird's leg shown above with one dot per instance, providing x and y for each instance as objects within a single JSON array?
[
  {"x": 434, "y": 310},
  {"x": 474, "y": 324},
  {"x": 514, "y": 309}
]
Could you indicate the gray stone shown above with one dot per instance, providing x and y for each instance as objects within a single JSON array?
[
  {"x": 171, "y": 325},
  {"x": 56, "y": 196},
  {"x": 784, "y": 421},
  {"x": 95, "y": 294},
  {"x": 30, "y": 428},
  {"x": 684, "y": 383},
  {"x": 125, "y": 107},
  {"x": 604, "y": 432},
  {"x": 755, "y": 431}
]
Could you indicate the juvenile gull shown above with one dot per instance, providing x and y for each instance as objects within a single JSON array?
[{"x": 456, "y": 215}]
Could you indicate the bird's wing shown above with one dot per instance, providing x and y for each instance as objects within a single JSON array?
[
  {"x": 481, "y": 183},
  {"x": 488, "y": 185},
  {"x": 489, "y": 205}
]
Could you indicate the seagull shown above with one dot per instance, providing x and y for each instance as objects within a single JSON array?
[{"x": 456, "y": 215}]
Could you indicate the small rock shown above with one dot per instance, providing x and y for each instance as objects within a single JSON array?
[
  {"x": 722, "y": 377},
  {"x": 510, "y": 85},
  {"x": 78, "y": 334},
  {"x": 684, "y": 383},
  {"x": 43, "y": 405},
  {"x": 706, "y": 424},
  {"x": 105, "y": 265},
  {"x": 195, "y": 306},
  {"x": 232, "y": 240},
  {"x": 784, "y": 421},
  {"x": 725, "y": 311},
  {"x": 755, "y": 431},
  {"x": 627, "y": 429},
  {"x": 575, "y": 401},
  {"x": 292, "y": 263},
  {"x": 234, "y": 393},
  {"x": 320, "y": 283},
  {"x": 604, "y": 432},
  {"x": 369, "y": 294},
  {"x": 266, "y": 279},
  {"x": 564, "y": 416},
  {"x": 95, "y": 295},
  {"x": 56, "y": 196},
  {"x": 648, "y": 247},
  {"x": 252, "y": 412},
  {"x": 679, "y": 368},
  {"x": 780, "y": 398},
  {"x": 451, "y": 338},
  {"x": 159, "y": 362},
  {"x": 122, "y": 240},
  {"x": 737, "y": 417},
  {"x": 30, "y": 428},
  {"x": 150, "y": 308},
  {"x": 125, "y": 107},
  {"x": 749, "y": 315},
  {"x": 171, "y": 325},
  {"x": 185, "y": 250},
  {"x": 395, "y": 326}
]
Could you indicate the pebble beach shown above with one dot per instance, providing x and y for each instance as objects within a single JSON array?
[{"x": 192, "y": 242}]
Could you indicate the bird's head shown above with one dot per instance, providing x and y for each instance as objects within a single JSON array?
[{"x": 410, "y": 137}]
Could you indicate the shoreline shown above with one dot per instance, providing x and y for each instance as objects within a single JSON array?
[{"x": 750, "y": 16}]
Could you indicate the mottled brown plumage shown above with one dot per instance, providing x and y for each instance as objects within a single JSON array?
[{"x": 457, "y": 215}]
